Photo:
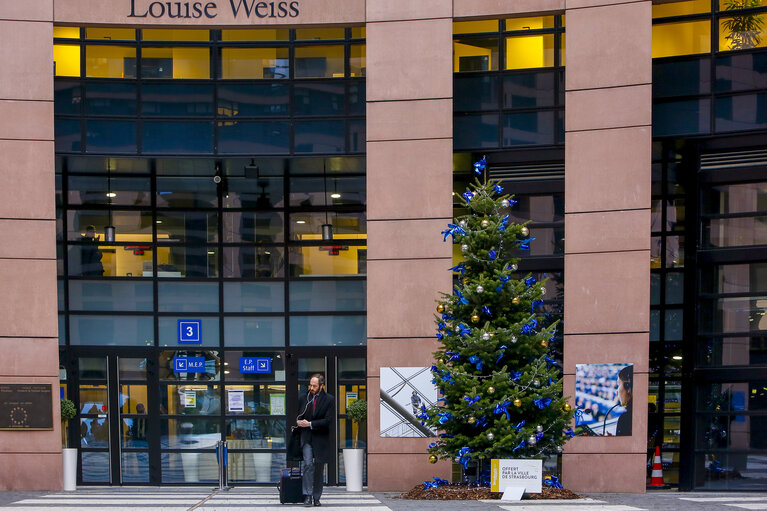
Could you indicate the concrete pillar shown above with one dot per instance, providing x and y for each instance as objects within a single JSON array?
[
  {"x": 29, "y": 460},
  {"x": 607, "y": 223},
  {"x": 409, "y": 183}
]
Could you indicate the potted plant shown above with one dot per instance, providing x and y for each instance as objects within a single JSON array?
[
  {"x": 744, "y": 30},
  {"x": 69, "y": 455},
  {"x": 357, "y": 412}
]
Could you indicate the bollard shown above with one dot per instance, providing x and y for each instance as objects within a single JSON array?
[{"x": 222, "y": 454}]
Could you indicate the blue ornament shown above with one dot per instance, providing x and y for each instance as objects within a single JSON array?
[
  {"x": 535, "y": 305},
  {"x": 492, "y": 255},
  {"x": 463, "y": 457},
  {"x": 486, "y": 311},
  {"x": 542, "y": 403},
  {"x": 503, "y": 408},
  {"x": 460, "y": 268},
  {"x": 515, "y": 375},
  {"x": 471, "y": 400},
  {"x": 504, "y": 223},
  {"x": 498, "y": 189},
  {"x": 476, "y": 360},
  {"x": 530, "y": 281},
  {"x": 569, "y": 432},
  {"x": 444, "y": 417},
  {"x": 468, "y": 196}
]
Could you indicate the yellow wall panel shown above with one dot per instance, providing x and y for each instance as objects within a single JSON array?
[
  {"x": 525, "y": 52},
  {"x": 66, "y": 58},
  {"x": 686, "y": 38}
]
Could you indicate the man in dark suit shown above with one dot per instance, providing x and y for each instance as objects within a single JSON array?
[{"x": 316, "y": 413}]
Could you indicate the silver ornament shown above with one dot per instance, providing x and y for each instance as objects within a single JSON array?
[
  {"x": 464, "y": 248},
  {"x": 539, "y": 428},
  {"x": 505, "y": 203},
  {"x": 486, "y": 336},
  {"x": 514, "y": 267},
  {"x": 532, "y": 440},
  {"x": 463, "y": 223},
  {"x": 537, "y": 383},
  {"x": 458, "y": 328},
  {"x": 490, "y": 436},
  {"x": 559, "y": 448},
  {"x": 480, "y": 289},
  {"x": 543, "y": 290},
  {"x": 513, "y": 338}
]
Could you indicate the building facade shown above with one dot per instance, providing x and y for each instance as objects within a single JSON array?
[{"x": 226, "y": 182}]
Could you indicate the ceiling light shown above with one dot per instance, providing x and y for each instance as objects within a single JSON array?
[
  {"x": 300, "y": 221},
  {"x": 677, "y": 357},
  {"x": 335, "y": 195},
  {"x": 111, "y": 194}
]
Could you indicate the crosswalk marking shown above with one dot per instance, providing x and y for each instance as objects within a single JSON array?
[
  {"x": 756, "y": 505},
  {"x": 549, "y": 506},
  {"x": 734, "y": 498}
]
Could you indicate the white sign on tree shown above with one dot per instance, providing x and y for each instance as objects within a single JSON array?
[{"x": 527, "y": 474}]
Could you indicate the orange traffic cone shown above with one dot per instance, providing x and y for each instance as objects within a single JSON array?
[{"x": 656, "y": 481}]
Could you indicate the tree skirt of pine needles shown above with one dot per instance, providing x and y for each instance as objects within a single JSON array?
[{"x": 466, "y": 492}]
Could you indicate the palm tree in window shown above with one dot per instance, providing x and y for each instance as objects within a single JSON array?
[{"x": 744, "y": 30}]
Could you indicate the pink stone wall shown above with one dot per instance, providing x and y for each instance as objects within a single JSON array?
[
  {"x": 607, "y": 223},
  {"x": 409, "y": 176},
  {"x": 29, "y": 460}
]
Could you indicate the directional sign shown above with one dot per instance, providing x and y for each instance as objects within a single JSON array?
[
  {"x": 188, "y": 364},
  {"x": 189, "y": 331},
  {"x": 261, "y": 365}
]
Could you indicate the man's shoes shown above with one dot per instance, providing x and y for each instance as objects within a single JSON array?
[
  {"x": 317, "y": 502},
  {"x": 308, "y": 501}
]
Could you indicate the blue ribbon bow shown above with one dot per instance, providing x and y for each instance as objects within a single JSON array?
[
  {"x": 460, "y": 268},
  {"x": 552, "y": 481},
  {"x": 542, "y": 403},
  {"x": 434, "y": 484},
  {"x": 498, "y": 189},
  {"x": 461, "y": 299},
  {"x": 529, "y": 327},
  {"x": 481, "y": 422},
  {"x": 452, "y": 230},
  {"x": 519, "y": 425},
  {"x": 501, "y": 354},
  {"x": 480, "y": 165},
  {"x": 471, "y": 400},
  {"x": 492, "y": 255},
  {"x": 535, "y": 305},
  {"x": 468, "y": 196},
  {"x": 504, "y": 280},
  {"x": 515, "y": 375},
  {"x": 503, "y": 408},
  {"x": 529, "y": 281},
  {"x": 463, "y": 330},
  {"x": 453, "y": 355},
  {"x": 569, "y": 432},
  {"x": 440, "y": 336},
  {"x": 486, "y": 310},
  {"x": 504, "y": 223},
  {"x": 525, "y": 244},
  {"x": 550, "y": 361},
  {"x": 423, "y": 415},
  {"x": 463, "y": 457},
  {"x": 444, "y": 417},
  {"x": 521, "y": 445},
  {"x": 476, "y": 360}
]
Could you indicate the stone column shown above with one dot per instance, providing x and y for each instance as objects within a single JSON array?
[
  {"x": 29, "y": 460},
  {"x": 607, "y": 223},
  {"x": 409, "y": 183}
]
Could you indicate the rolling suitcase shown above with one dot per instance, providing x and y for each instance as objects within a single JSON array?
[{"x": 290, "y": 487}]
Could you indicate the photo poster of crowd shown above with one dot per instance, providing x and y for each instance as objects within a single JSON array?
[
  {"x": 603, "y": 399},
  {"x": 405, "y": 391}
]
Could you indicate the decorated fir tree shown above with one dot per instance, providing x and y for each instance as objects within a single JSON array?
[{"x": 501, "y": 392}]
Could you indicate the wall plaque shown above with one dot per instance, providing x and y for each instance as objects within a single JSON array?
[{"x": 25, "y": 406}]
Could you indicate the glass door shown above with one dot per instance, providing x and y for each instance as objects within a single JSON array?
[{"x": 113, "y": 405}]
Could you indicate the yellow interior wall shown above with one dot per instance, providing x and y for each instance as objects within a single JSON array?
[
  {"x": 107, "y": 61},
  {"x": 475, "y": 27},
  {"x": 320, "y": 262},
  {"x": 531, "y": 23},
  {"x": 670, "y": 39},
  {"x": 166, "y": 34},
  {"x": 468, "y": 50},
  {"x": 562, "y": 53},
  {"x": 334, "y": 55},
  {"x": 313, "y": 34},
  {"x": 357, "y": 60},
  {"x": 680, "y": 8},
  {"x": 724, "y": 44},
  {"x": 255, "y": 35},
  {"x": 66, "y": 32},
  {"x": 358, "y": 32},
  {"x": 119, "y": 262},
  {"x": 249, "y": 62},
  {"x": 111, "y": 34},
  {"x": 136, "y": 394},
  {"x": 533, "y": 51},
  {"x": 67, "y": 59}
]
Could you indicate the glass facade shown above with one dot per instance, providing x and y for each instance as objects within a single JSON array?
[
  {"x": 195, "y": 173},
  {"x": 707, "y": 248}
]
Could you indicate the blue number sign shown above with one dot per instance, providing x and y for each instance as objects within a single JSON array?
[{"x": 189, "y": 331}]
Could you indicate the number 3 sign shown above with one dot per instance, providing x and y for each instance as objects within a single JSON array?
[{"x": 189, "y": 331}]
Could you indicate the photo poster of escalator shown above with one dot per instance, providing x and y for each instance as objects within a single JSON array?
[
  {"x": 405, "y": 391},
  {"x": 603, "y": 399}
]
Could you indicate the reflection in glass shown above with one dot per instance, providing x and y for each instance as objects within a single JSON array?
[
  {"x": 253, "y": 261},
  {"x": 351, "y": 368},
  {"x": 734, "y": 232},
  {"x": 250, "y": 226},
  {"x": 331, "y": 191},
  {"x": 212, "y": 365},
  {"x": 258, "y": 400},
  {"x": 190, "y": 433},
  {"x": 133, "y": 369},
  {"x": 250, "y": 331},
  {"x": 324, "y": 295},
  {"x": 110, "y": 136},
  {"x": 321, "y": 98},
  {"x": 186, "y": 192},
  {"x": 253, "y": 99},
  {"x": 101, "y": 295},
  {"x": 529, "y": 90},
  {"x": 254, "y": 137},
  {"x": 93, "y": 190},
  {"x": 187, "y": 297},
  {"x": 189, "y": 467},
  {"x": 681, "y": 117},
  {"x": 308, "y": 226},
  {"x": 475, "y": 131},
  {"x": 475, "y": 55},
  {"x": 327, "y": 331},
  {"x": 187, "y": 226},
  {"x": 111, "y": 330},
  {"x": 475, "y": 93},
  {"x": 254, "y": 63},
  {"x": 169, "y": 137},
  {"x": 134, "y": 467},
  {"x": 130, "y": 226},
  {"x": 191, "y": 399},
  {"x": 232, "y": 362},
  {"x": 254, "y": 297},
  {"x": 260, "y": 193},
  {"x": 174, "y": 99},
  {"x": 319, "y": 137},
  {"x": 95, "y": 467},
  {"x": 110, "y": 99},
  {"x": 319, "y": 62},
  {"x": 175, "y": 262}
]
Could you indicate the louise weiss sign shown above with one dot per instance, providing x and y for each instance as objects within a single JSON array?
[
  {"x": 525, "y": 474},
  {"x": 211, "y": 9},
  {"x": 25, "y": 406}
]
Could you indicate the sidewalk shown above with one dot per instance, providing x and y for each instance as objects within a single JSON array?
[{"x": 337, "y": 499}]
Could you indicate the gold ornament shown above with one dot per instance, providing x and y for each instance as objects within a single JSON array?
[
  {"x": 432, "y": 459},
  {"x": 485, "y": 223},
  {"x": 472, "y": 420},
  {"x": 440, "y": 308},
  {"x": 517, "y": 402},
  {"x": 525, "y": 231},
  {"x": 440, "y": 361},
  {"x": 491, "y": 390},
  {"x": 567, "y": 407},
  {"x": 544, "y": 343},
  {"x": 475, "y": 318},
  {"x": 515, "y": 300}
]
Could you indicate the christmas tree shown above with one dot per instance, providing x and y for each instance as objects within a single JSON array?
[{"x": 501, "y": 392}]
